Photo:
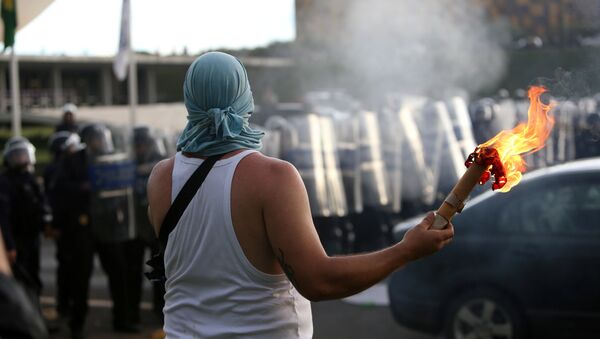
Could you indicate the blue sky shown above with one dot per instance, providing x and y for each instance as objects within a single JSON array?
[{"x": 91, "y": 27}]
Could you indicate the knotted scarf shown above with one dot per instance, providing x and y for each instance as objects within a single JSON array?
[{"x": 219, "y": 101}]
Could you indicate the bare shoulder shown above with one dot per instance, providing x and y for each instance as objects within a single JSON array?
[
  {"x": 162, "y": 170},
  {"x": 274, "y": 183},
  {"x": 159, "y": 191},
  {"x": 270, "y": 172}
]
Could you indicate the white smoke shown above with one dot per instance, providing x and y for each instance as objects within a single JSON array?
[{"x": 419, "y": 46}]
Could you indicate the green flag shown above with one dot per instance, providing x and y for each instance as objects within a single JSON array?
[{"x": 9, "y": 16}]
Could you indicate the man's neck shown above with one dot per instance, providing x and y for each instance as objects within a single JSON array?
[{"x": 227, "y": 155}]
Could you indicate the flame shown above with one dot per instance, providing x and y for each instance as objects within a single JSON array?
[{"x": 525, "y": 138}]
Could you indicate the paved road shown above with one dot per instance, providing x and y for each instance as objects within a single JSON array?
[{"x": 332, "y": 319}]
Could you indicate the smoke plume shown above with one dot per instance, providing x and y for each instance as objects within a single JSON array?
[{"x": 417, "y": 47}]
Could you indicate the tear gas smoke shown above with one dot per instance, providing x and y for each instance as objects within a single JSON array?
[{"x": 417, "y": 47}]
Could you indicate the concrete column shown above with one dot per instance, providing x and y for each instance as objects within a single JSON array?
[
  {"x": 3, "y": 103},
  {"x": 15, "y": 93},
  {"x": 106, "y": 86},
  {"x": 151, "y": 93},
  {"x": 57, "y": 88}
]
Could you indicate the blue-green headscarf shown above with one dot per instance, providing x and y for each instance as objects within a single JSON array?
[{"x": 219, "y": 101}]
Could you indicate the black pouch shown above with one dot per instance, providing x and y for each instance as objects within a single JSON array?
[{"x": 157, "y": 262}]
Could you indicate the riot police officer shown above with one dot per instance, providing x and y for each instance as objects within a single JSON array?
[
  {"x": 149, "y": 149},
  {"x": 100, "y": 229},
  {"x": 30, "y": 213},
  {"x": 68, "y": 120},
  {"x": 61, "y": 143},
  {"x": 483, "y": 112},
  {"x": 9, "y": 243},
  {"x": 588, "y": 138}
]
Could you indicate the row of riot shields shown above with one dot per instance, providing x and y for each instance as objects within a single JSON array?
[
  {"x": 490, "y": 116},
  {"x": 119, "y": 164},
  {"x": 401, "y": 159},
  {"x": 356, "y": 161}
]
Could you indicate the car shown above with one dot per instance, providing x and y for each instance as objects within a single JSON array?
[{"x": 522, "y": 264}]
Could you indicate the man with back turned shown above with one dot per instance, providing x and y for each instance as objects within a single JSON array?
[{"x": 245, "y": 258}]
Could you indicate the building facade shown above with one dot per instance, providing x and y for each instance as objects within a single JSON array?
[{"x": 52, "y": 81}]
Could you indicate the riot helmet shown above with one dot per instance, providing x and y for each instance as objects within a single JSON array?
[
  {"x": 19, "y": 153},
  {"x": 503, "y": 93},
  {"x": 69, "y": 108},
  {"x": 62, "y": 141},
  {"x": 68, "y": 119},
  {"x": 147, "y": 145},
  {"x": 98, "y": 139},
  {"x": 593, "y": 122},
  {"x": 483, "y": 110}
]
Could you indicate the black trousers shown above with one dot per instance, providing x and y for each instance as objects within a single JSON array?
[
  {"x": 134, "y": 254},
  {"x": 135, "y": 251},
  {"x": 80, "y": 246},
  {"x": 27, "y": 267},
  {"x": 112, "y": 259},
  {"x": 64, "y": 259},
  {"x": 78, "y": 249}
]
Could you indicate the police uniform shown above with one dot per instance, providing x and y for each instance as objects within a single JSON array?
[
  {"x": 29, "y": 211},
  {"x": 59, "y": 142},
  {"x": 148, "y": 150},
  {"x": 9, "y": 243},
  {"x": 73, "y": 183}
]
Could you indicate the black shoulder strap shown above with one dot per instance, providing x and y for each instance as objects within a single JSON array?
[{"x": 184, "y": 197}]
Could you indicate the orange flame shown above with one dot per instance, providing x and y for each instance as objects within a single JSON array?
[{"x": 525, "y": 138}]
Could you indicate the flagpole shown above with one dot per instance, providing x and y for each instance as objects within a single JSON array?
[
  {"x": 15, "y": 93},
  {"x": 132, "y": 85},
  {"x": 133, "y": 101}
]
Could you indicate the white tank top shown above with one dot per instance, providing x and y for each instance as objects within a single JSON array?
[{"x": 212, "y": 290}]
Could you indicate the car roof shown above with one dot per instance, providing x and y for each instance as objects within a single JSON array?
[{"x": 573, "y": 167}]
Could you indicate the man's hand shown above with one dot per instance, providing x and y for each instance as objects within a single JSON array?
[{"x": 422, "y": 240}]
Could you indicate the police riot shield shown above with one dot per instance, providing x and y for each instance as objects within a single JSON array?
[
  {"x": 566, "y": 113},
  {"x": 483, "y": 114},
  {"x": 333, "y": 175},
  {"x": 374, "y": 177},
  {"x": 112, "y": 180},
  {"x": 586, "y": 105},
  {"x": 420, "y": 145},
  {"x": 521, "y": 108},
  {"x": 462, "y": 124},
  {"x": 148, "y": 149},
  {"x": 443, "y": 150},
  {"x": 510, "y": 112},
  {"x": 342, "y": 109},
  {"x": 308, "y": 142},
  {"x": 347, "y": 139},
  {"x": 392, "y": 148}
]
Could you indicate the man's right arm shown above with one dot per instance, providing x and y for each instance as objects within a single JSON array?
[{"x": 296, "y": 245}]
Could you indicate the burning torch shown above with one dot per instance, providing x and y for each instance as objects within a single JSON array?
[{"x": 500, "y": 157}]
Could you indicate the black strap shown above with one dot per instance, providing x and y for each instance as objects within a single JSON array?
[
  {"x": 174, "y": 213},
  {"x": 184, "y": 197}
]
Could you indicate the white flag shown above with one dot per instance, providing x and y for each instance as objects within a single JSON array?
[{"x": 122, "y": 58}]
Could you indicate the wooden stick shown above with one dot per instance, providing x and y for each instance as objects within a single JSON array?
[{"x": 454, "y": 202}]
